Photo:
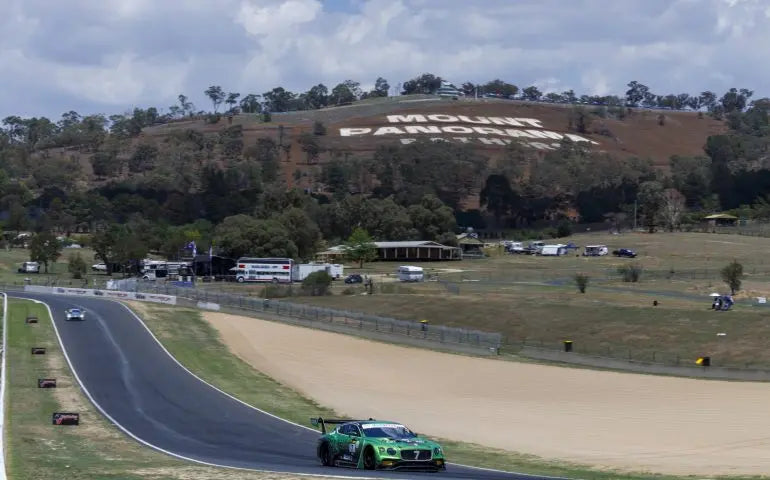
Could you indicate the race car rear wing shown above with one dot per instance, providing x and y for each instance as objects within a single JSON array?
[{"x": 316, "y": 421}]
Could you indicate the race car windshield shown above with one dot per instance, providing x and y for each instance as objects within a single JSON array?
[{"x": 388, "y": 431}]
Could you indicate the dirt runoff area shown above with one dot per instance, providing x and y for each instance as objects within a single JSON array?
[{"x": 604, "y": 419}]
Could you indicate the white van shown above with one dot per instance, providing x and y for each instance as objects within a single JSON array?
[
  {"x": 408, "y": 273},
  {"x": 29, "y": 267}
]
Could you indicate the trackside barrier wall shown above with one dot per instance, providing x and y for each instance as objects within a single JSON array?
[
  {"x": 113, "y": 294},
  {"x": 3, "y": 382},
  {"x": 340, "y": 320}
]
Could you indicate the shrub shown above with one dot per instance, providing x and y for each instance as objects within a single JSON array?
[
  {"x": 267, "y": 117},
  {"x": 350, "y": 291},
  {"x": 213, "y": 118},
  {"x": 564, "y": 229},
  {"x": 581, "y": 280},
  {"x": 277, "y": 291},
  {"x": 319, "y": 128},
  {"x": 76, "y": 265},
  {"x": 630, "y": 272},
  {"x": 732, "y": 275},
  {"x": 317, "y": 284}
]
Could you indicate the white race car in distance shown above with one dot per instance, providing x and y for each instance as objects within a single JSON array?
[{"x": 75, "y": 314}]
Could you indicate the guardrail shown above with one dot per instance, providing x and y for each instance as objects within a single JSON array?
[{"x": 372, "y": 326}]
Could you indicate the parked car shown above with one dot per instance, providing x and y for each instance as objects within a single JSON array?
[
  {"x": 624, "y": 252},
  {"x": 354, "y": 278}
]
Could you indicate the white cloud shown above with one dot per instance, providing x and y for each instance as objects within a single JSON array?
[{"x": 104, "y": 56}]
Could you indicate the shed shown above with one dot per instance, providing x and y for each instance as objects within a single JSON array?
[
  {"x": 721, "y": 220},
  {"x": 413, "y": 250},
  {"x": 470, "y": 245}
]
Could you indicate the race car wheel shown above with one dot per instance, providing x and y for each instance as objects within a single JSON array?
[
  {"x": 326, "y": 456},
  {"x": 369, "y": 460}
]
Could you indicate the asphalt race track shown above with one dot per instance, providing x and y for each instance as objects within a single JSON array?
[{"x": 134, "y": 381}]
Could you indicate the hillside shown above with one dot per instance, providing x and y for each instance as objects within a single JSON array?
[{"x": 359, "y": 129}]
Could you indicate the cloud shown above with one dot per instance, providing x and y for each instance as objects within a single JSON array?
[{"x": 92, "y": 55}]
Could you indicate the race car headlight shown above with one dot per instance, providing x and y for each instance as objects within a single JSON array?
[
  {"x": 391, "y": 451},
  {"x": 437, "y": 451},
  {"x": 382, "y": 450}
]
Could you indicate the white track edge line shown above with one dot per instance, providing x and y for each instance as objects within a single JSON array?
[
  {"x": 289, "y": 421},
  {"x": 3, "y": 381},
  {"x": 247, "y": 405},
  {"x": 144, "y": 442}
]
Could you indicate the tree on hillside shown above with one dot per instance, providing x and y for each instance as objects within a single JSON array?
[
  {"x": 579, "y": 119},
  {"x": 636, "y": 93},
  {"x": 531, "y": 93},
  {"x": 381, "y": 88},
  {"x": 708, "y": 99},
  {"x": 650, "y": 199},
  {"x": 425, "y": 83},
  {"x": 185, "y": 107},
  {"x": 672, "y": 208},
  {"x": 734, "y": 100},
  {"x": 278, "y": 99},
  {"x": 341, "y": 94},
  {"x": 498, "y": 197},
  {"x": 500, "y": 87},
  {"x": 250, "y": 104},
  {"x": 232, "y": 99},
  {"x": 217, "y": 96},
  {"x": 44, "y": 248},
  {"x": 360, "y": 247},
  {"x": 317, "y": 96},
  {"x": 732, "y": 275},
  {"x": 76, "y": 266}
]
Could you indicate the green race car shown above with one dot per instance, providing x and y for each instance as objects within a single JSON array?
[{"x": 376, "y": 445}]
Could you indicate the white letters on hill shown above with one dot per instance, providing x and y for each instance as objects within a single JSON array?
[{"x": 469, "y": 127}]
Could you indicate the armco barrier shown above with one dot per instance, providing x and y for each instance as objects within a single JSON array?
[{"x": 114, "y": 294}]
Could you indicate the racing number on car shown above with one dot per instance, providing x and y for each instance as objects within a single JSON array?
[{"x": 352, "y": 447}]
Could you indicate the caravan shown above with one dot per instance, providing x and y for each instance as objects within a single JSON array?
[
  {"x": 408, "y": 273},
  {"x": 595, "y": 251},
  {"x": 554, "y": 250}
]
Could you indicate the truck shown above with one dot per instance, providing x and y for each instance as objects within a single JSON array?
[
  {"x": 29, "y": 267},
  {"x": 300, "y": 271}
]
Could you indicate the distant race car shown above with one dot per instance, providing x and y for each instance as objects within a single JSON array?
[
  {"x": 376, "y": 445},
  {"x": 75, "y": 314}
]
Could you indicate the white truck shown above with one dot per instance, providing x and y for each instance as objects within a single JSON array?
[{"x": 29, "y": 267}]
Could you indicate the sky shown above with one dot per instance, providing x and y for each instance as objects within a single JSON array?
[{"x": 109, "y": 56}]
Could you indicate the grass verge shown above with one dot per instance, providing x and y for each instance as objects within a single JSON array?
[
  {"x": 197, "y": 345},
  {"x": 95, "y": 449}
]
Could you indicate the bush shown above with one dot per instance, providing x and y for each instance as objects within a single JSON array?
[
  {"x": 267, "y": 117},
  {"x": 732, "y": 275},
  {"x": 213, "y": 118},
  {"x": 317, "y": 284},
  {"x": 581, "y": 280},
  {"x": 76, "y": 265},
  {"x": 630, "y": 272},
  {"x": 319, "y": 128},
  {"x": 277, "y": 291},
  {"x": 564, "y": 229},
  {"x": 351, "y": 291}
]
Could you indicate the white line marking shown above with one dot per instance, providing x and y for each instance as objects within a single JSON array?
[
  {"x": 2, "y": 388},
  {"x": 144, "y": 442},
  {"x": 237, "y": 400}
]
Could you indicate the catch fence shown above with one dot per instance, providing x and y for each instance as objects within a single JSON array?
[{"x": 362, "y": 324}]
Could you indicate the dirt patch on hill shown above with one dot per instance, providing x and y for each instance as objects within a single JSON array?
[{"x": 613, "y": 420}]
